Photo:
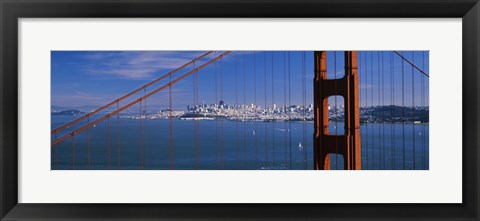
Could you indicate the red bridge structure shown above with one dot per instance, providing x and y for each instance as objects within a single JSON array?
[{"x": 380, "y": 122}]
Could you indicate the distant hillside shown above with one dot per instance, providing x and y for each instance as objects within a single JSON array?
[
  {"x": 84, "y": 108},
  {"x": 68, "y": 112},
  {"x": 397, "y": 114},
  {"x": 391, "y": 114}
]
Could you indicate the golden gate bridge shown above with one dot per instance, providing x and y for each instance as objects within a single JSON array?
[{"x": 372, "y": 92}]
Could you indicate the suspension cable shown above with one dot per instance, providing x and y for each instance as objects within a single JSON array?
[
  {"x": 118, "y": 138},
  {"x": 108, "y": 142},
  {"x": 56, "y": 151},
  {"x": 129, "y": 94},
  {"x": 383, "y": 110},
  {"x": 373, "y": 119},
  {"x": 304, "y": 82},
  {"x": 367, "y": 112},
  {"x": 422, "y": 112},
  {"x": 73, "y": 152},
  {"x": 378, "y": 105},
  {"x": 413, "y": 110},
  {"x": 170, "y": 122},
  {"x": 336, "y": 108},
  {"x": 392, "y": 85},
  {"x": 255, "y": 110},
  {"x": 411, "y": 63},
  {"x": 265, "y": 107},
  {"x": 273, "y": 116},
  {"x": 141, "y": 136},
  {"x": 289, "y": 112},
  {"x": 285, "y": 106},
  {"x": 221, "y": 121},
  {"x": 88, "y": 145},
  {"x": 403, "y": 113},
  {"x": 236, "y": 108},
  {"x": 243, "y": 114},
  {"x": 360, "y": 94},
  {"x": 145, "y": 133},
  {"x": 138, "y": 100},
  {"x": 216, "y": 113},
  {"x": 195, "y": 115}
]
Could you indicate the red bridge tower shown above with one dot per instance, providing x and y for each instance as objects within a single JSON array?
[{"x": 349, "y": 144}]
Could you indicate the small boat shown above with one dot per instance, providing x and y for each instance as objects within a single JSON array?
[
  {"x": 253, "y": 132},
  {"x": 94, "y": 125},
  {"x": 300, "y": 147}
]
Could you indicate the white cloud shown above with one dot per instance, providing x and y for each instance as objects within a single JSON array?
[{"x": 134, "y": 65}]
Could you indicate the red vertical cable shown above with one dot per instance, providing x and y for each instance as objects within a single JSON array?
[
  {"x": 56, "y": 152},
  {"x": 336, "y": 108},
  {"x": 236, "y": 108},
  {"x": 195, "y": 123},
  {"x": 221, "y": 98},
  {"x": 304, "y": 110},
  {"x": 273, "y": 116},
  {"x": 171, "y": 122},
  {"x": 403, "y": 112},
  {"x": 305, "y": 107},
  {"x": 362, "y": 83},
  {"x": 88, "y": 145},
  {"x": 141, "y": 137},
  {"x": 289, "y": 112},
  {"x": 392, "y": 85},
  {"x": 285, "y": 105},
  {"x": 265, "y": 107},
  {"x": 360, "y": 93},
  {"x": 118, "y": 139},
  {"x": 372, "y": 109},
  {"x": 378, "y": 105},
  {"x": 108, "y": 142},
  {"x": 383, "y": 110},
  {"x": 413, "y": 109},
  {"x": 367, "y": 111},
  {"x": 216, "y": 113},
  {"x": 244, "y": 121},
  {"x": 255, "y": 110},
  {"x": 145, "y": 133},
  {"x": 423, "y": 106},
  {"x": 198, "y": 122},
  {"x": 73, "y": 152}
]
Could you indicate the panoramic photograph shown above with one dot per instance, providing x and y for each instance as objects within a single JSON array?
[{"x": 239, "y": 110}]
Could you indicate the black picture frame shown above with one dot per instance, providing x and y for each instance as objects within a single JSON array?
[{"x": 12, "y": 10}]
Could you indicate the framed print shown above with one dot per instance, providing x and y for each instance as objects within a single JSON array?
[{"x": 239, "y": 110}]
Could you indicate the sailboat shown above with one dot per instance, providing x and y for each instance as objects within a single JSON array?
[{"x": 300, "y": 147}]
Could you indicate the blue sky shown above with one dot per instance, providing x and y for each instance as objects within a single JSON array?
[{"x": 95, "y": 78}]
